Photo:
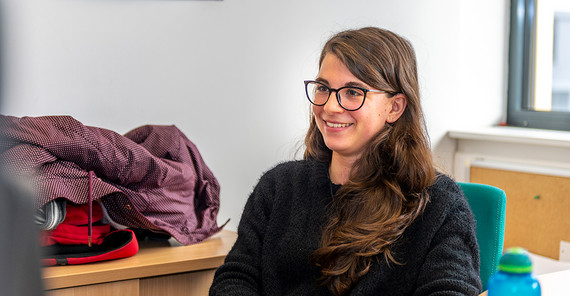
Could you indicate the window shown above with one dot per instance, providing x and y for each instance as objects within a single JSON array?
[{"x": 539, "y": 64}]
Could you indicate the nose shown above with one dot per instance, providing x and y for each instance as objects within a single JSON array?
[{"x": 332, "y": 105}]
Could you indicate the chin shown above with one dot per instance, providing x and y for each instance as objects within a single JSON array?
[{"x": 339, "y": 149}]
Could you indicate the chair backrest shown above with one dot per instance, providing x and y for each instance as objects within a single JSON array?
[{"x": 488, "y": 205}]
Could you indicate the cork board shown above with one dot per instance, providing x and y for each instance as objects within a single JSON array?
[{"x": 538, "y": 208}]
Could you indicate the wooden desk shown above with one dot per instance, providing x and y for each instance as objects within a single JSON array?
[
  {"x": 553, "y": 284},
  {"x": 157, "y": 269}
]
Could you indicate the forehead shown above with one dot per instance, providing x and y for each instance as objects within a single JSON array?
[{"x": 335, "y": 73}]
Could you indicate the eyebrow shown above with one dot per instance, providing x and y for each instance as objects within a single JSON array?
[
  {"x": 348, "y": 84},
  {"x": 321, "y": 80}
]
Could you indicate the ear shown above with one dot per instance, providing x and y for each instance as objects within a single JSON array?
[{"x": 399, "y": 103}]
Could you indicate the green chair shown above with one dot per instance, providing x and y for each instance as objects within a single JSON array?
[{"x": 488, "y": 205}]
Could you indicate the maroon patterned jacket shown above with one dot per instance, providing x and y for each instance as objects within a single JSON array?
[{"x": 152, "y": 178}]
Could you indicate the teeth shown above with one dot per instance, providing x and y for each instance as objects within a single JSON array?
[{"x": 338, "y": 124}]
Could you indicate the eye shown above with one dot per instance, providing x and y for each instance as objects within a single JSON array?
[
  {"x": 353, "y": 92},
  {"x": 321, "y": 88}
]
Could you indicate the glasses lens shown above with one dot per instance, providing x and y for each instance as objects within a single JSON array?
[
  {"x": 317, "y": 93},
  {"x": 351, "y": 98}
]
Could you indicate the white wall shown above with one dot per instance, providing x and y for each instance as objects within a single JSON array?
[{"x": 229, "y": 73}]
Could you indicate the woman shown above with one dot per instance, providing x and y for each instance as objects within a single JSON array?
[{"x": 365, "y": 212}]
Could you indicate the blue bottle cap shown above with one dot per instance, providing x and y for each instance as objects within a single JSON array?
[{"x": 515, "y": 260}]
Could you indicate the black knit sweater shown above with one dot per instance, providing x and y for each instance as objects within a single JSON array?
[{"x": 282, "y": 223}]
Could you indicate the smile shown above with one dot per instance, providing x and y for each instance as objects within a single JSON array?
[{"x": 337, "y": 125}]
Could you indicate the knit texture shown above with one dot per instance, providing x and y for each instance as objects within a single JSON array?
[{"x": 283, "y": 220}]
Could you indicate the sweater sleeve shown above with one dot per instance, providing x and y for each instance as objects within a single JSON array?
[
  {"x": 241, "y": 272},
  {"x": 451, "y": 266}
]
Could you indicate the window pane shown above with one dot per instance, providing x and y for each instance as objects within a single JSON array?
[
  {"x": 539, "y": 64},
  {"x": 551, "y": 56},
  {"x": 561, "y": 62}
]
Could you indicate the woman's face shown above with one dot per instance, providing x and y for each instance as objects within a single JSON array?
[{"x": 346, "y": 133}]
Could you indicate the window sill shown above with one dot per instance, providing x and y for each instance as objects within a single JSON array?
[
  {"x": 512, "y": 148},
  {"x": 508, "y": 134}
]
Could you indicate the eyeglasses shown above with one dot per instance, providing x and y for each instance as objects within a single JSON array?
[{"x": 350, "y": 98}]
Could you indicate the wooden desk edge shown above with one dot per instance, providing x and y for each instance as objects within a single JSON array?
[{"x": 209, "y": 254}]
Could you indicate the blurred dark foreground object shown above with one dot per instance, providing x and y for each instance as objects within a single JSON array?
[{"x": 19, "y": 249}]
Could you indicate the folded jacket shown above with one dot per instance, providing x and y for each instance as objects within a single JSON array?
[{"x": 152, "y": 178}]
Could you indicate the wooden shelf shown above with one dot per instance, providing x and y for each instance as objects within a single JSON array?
[{"x": 153, "y": 259}]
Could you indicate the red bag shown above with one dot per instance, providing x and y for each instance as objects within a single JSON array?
[{"x": 82, "y": 237}]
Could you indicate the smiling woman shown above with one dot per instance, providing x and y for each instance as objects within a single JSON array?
[
  {"x": 347, "y": 133},
  {"x": 365, "y": 212}
]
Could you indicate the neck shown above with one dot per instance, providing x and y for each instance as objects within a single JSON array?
[{"x": 340, "y": 168}]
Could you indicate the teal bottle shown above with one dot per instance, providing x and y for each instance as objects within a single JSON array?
[{"x": 514, "y": 276}]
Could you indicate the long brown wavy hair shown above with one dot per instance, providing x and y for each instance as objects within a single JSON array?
[{"x": 387, "y": 187}]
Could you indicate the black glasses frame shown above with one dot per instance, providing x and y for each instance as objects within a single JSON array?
[{"x": 337, "y": 91}]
